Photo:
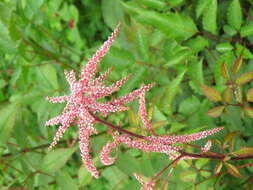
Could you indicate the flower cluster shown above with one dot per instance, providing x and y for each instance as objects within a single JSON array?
[{"x": 83, "y": 103}]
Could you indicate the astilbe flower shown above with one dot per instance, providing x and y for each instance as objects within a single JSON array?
[{"x": 83, "y": 102}]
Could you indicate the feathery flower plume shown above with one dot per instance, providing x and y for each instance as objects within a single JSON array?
[{"x": 83, "y": 100}]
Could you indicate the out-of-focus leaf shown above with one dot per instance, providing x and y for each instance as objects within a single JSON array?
[
  {"x": 218, "y": 167},
  {"x": 50, "y": 75},
  {"x": 56, "y": 159},
  {"x": 227, "y": 95},
  {"x": 65, "y": 181},
  {"x": 210, "y": 17},
  {"x": 247, "y": 29},
  {"x": 224, "y": 47},
  {"x": 174, "y": 25},
  {"x": 171, "y": 92},
  {"x": 244, "y": 151},
  {"x": 224, "y": 71},
  {"x": 234, "y": 14},
  {"x": 143, "y": 44},
  {"x": 195, "y": 72},
  {"x": 233, "y": 170},
  {"x": 188, "y": 176},
  {"x": 156, "y": 4},
  {"x": 244, "y": 78},
  {"x": 239, "y": 49},
  {"x": 237, "y": 64},
  {"x": 201, "y": 6},
  {"x": 197, "y": 44},
  {"x": 6, "y": 43},
  {"x": 249, "y": 111},
  {"x": 216, "y": 111},
  {"x": 84, "y": 176},
  {"x": 8, "y": 115},
  {"x": 211, "y": 93},
  {"x": 112, "y": 12},
  {"x": 250, "y": 95},
  {"x": 179, "y": 57}
]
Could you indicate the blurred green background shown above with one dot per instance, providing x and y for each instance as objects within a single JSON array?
[{"x": 178, "y": 44}]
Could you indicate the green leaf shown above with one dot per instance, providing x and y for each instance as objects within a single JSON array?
[
  {"x": 84, "y": 177},
  {"x": 242, "y": 49},
  {"x": 49, "y": 73},
  {"x": 143, "y": 44},
  {"x": 171, "y": 92},
  {"x": 224, "y": 47},
  {"x": 6, "y": 43},
  {"x": 218, "y": 167},
  {"x": 195, "y": 73},
  {"x": 247, "y": 29},
  {"x": 211, "y": 93},
  {"x": 8, "y": 115},
  {"x": 216, "y": 111},
  {"x": 113, "y": 12},
  {"x": 210, "y": 17},
  {"x": 201, "y": 6},
  {"x": 176, "y": 26},
  {"x": 197, "y": 44},
  {"x": 250, "y": 95},
  {"x": 179, "y": 57},
  {"x": 227, "y": 95},
  {"x": 65, "y": 181},
  {"x": 244, "y": 78},
  {"x": 56, "y": 159},
  {"x": 234, "y": 14},
  {"x": 244, "y": 151},
  {"x": 156, "y": 4}
]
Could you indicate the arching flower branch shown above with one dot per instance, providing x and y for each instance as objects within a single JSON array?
[{"x": 83, "y": 103}]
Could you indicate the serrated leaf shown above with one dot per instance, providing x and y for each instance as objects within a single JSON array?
[
  {"x": 234, "y": 14},
  {"x": 244, "y": 78},
  {"x": 233, "y": 170},
  {"x": 56, "y": 159},
  {"x": 224, "y": 71},
  {"x": 237, "y": 64},
  {"x": 244, "y": 151},
  {"x": 247, "y": 29},
  {"x": 250, "y": 95},
  {"x": 227, "y": 96},
  {"x": 176, "y": 26},
  {"x": 218, "y": 167},
  {"x": 216, "y": 111},
  {"x": 211, "y": 93},
  {"x": 210, "y": 17},
  {"x": 249, "y": 111},
  {"x": 201, "y": 6}
]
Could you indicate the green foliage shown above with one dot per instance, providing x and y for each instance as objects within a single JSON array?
[{"x": 199, "y": 54}]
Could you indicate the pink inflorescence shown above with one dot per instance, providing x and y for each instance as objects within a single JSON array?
[
  {"x": 83, "y": 100},
  {"x": 82, "y": 103}
]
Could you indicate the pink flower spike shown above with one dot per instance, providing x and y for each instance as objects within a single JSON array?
[
  {"x": 90, "y": 68},
  {"x": 183, "y": 138},
  {"x": 54, "y": 121},
  {"x": 146, "y": 186},
  {"x": 105, "y": 153},
  {"x": 98, "y": 81},
  {"x": 143, "y": 113},
  {"x": 132, "y": 95},
  {"x": 58, "y": 135},
  {"x": 84, "y": 148},
  {"x": 70, "y": 77},
  {"x": 207, "y": 146}
]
